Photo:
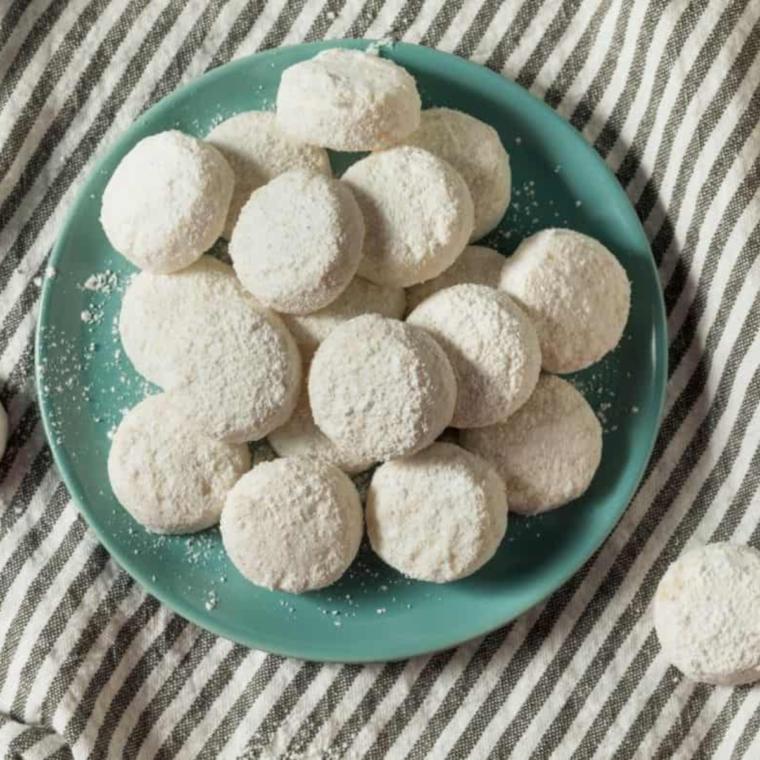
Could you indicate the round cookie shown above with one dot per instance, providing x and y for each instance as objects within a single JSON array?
[
  {"x": 258, "y": 150},
  {"x": 348, "y": 100},
  {"x": 360, "y": 297},
  {"x": 474, "y": 149},
  {"x": 707, "y": 614},
  {"x": 298, "y": 242},
  {"x": 250, "y": 389},
  {"x": 380, "y": 388},
  {"x": 3, "y": 430},
  {"x": 418, "y": 213},
  {"x": 492, "y": 347},
  {"x": 167, "y": 201},
  {"x": 547, "y": 452},
  {"x": 168, "y": 476},
  {"x": 300, "y": 436},
  {"x": 170, "y": 326},
  {"x": 575, "y": 292},
  {"x": 293, "y": 524},
  {"x": 436, "y": 516},
  {"x": 476, "y": 265}
]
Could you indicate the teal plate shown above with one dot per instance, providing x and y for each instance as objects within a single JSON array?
[{"x": 85, "y": 384}]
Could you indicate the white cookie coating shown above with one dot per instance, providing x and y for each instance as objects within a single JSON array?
[
  {"x": 258, "y": 150},
  {"x": 437, "y": 516},
  {"x": 3, "y": 430},
  {"x": 381, "y": 388},
  {"x": 575, "y": 292},
  {"x": 173, "y": 325},
  {"x": 477, "y": 265},
  {"x": 300, "y": 436},
  {"x": 707, "y": 614},
  {"x": 166, "y": 202},
  {"x": 293, "y": 524},
  {"x": 252, "y": 387},
  {"x": 348, "y": 100},
  {"x": 167, "y": 475},
  {"x": 547, "y": 452},
  {"x": 418, "y": 213},
  {"x": 474, "y": 149},
  {"x": 298, "y": 242},
  {"x": 492, "y": 347},
  {"x": 360, "y": 297}
]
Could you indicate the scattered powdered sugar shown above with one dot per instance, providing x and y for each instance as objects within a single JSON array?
[{"x": 102, "y": 282}]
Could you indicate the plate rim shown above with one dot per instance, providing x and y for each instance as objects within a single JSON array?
[{"x": 177, "y": 605}]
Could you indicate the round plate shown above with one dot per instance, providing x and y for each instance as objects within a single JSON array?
[{"x": 86, "y": 384}]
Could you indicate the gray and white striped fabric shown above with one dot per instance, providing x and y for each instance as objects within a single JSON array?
[{"x": 91, "y": 667}]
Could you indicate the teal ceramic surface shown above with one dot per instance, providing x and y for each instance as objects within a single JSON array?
[{"x": 85, "y": 385}]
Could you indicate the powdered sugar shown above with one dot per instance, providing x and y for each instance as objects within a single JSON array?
[
  {"x": 360, "y": 297},
  {"x": 171, "y": 478},
  {"x": 707, "y": 614},
  {"x": 575, "y": 292},
  {"x": 348, "y": 100},
  {"x": 418, "y": 212},
  {"x": 381, "y": 388},
  {"x": 492, "y": 347},
  {"x": 257, "y": 150},
  {"x": 167, "y": 201},
  {"x": 300, "y": 436},
  {"x": 298, "y": 242},
  {"x": 547, "y": 452},
  {"x": 476, "y": 265},
  {"x": 444, "y": 492},
  {"x": 294, "y": 524},
  {"x": 474, "y": 149}
]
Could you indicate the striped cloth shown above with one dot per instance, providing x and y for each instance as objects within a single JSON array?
[{"x": 90, "y": 666}]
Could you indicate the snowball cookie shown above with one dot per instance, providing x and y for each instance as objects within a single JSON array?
[
  {"x": 476, "y": 265},
  {"x": 492, "y": 347},
  {"x": 360, "y": 297},
  {"x": 229, "y": 363},
  {"x": 258, "y": 151},
  {"x": 436, "y": 516},
  {"x": 348, "y": 100},
  {"x": 300, "y": 436},
  {"x": 707, "y": 614},
  {"x": 474, "y": 149},
  {"x": 249, "y": 386},
  {"x": 381, "y": 388},
  {"x": 168, "y": 476},
  {"x": 293, "y": 524},
  {"x": 298, "y": 242},
  {"x": 171, "y": 325},
  {"x": 576, "y": 293},
  {"x": 547, "y": 452},
  {"x": 167, "y": 201},
  {"x": 3, "y": 430},
  {"x": 418, "y": 213}
]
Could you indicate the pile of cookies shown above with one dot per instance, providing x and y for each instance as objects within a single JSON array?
[{"x": 356, "y": 325}]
